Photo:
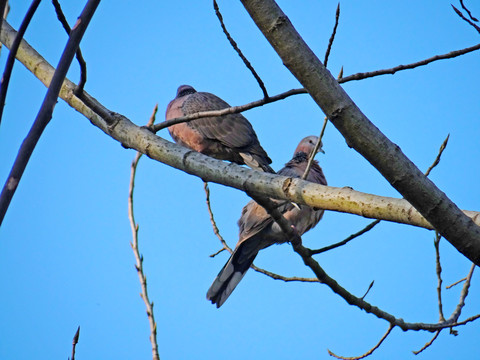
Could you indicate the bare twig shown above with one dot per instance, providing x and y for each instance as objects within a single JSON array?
[
  {"x": 46, "y": 110},
  {"x": 283, "y": 278},
  {"x": 311, "y": 156},
  {"x": 468, "y": 11},
  {"x": 239, "y": 52},
  {"x": 369, "y": 352},
  {"x": 436, "y": 243},
  {"x": 75, "y": 342},
  {"x": 332, "y": 37},
  {"x": 136, "y": 251},
  {"x": 437, "y": 159},
  {"x": 455, "y": 283},
  {"x": 368, "y": 290},
  {"x": 80, "y": 59},
  {"x": 13, "y": 51},
  {"x": 428, "y": 343},
  {"x": 449, "y": 55},
  {"x": 214, "y": 224},
  {"x": 459, "y": 13},
  {"x": 348, "y": 239},
  {"x": 461, "y": 303}
]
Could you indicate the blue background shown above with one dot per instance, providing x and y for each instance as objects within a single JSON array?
[{"x": 65, "y": 256}]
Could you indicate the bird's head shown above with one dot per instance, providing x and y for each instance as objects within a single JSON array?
[
  {"x": 185, "y": 90},
  {"x": 307, "y": 145}
]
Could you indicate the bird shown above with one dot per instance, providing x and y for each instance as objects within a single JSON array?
[
  {"x": 229, "y": 137},
  {"x": 257, "y": 230}
]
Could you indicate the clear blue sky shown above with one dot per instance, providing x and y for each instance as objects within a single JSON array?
[{"x": 65, "y": 258}]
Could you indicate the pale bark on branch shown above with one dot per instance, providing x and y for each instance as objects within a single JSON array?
[
  {"x": 360, "y": 133},
  {"x": 212, "y": 170}
]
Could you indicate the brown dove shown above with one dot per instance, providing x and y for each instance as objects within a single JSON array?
[
  {"x": 230, "y": 137},
  {"x": 257, "y": 230}
]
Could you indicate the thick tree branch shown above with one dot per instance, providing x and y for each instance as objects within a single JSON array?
[
  {"x": 361, "y": 134},
  {"x": 209, "y": 169},
  {"x": 45, "y": 113}
]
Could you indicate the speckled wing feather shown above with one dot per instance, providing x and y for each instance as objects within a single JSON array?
[{"x": 229, "y": 137}]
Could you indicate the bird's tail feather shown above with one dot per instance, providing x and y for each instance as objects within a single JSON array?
[
  {"x": 229, "y": 277},
  {"x": 257, "y": 162}
]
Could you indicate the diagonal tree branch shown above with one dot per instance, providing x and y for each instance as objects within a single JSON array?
[
  {"x": 81, "y": 61},
  {"x": 239, "y": 52},
  {"x": 46, "y": 110},
  {"x": 212, "y": 170},
  {"x": 363, "y": 135},
  {"x": 459, "y": 13},
  {"x": 332, "y": 37},
  {"x": 284, "y": 95}
]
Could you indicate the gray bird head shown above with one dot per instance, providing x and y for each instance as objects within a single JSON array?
[
  {"x": 307, "y": 145},
  {"x": 185, "y": 90}
]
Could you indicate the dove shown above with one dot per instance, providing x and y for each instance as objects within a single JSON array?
[
  {"x": 257, "y": 230},
  {"x": 229, "y": 137}
]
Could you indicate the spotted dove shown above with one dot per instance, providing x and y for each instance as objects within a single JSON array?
[
  {"x": 229, "y": 137},
  {"x": 258, "y": 230}
]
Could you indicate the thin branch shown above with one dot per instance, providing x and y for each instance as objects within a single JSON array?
[
  {"x": 13, "y": 51},
  {"x": 79, "y": 56},
  {"x": 459, "y": 13},
  {"x": 449, "y": 55},
  {"x": 357, "y": 76},
  {"x": 368, "y": 290},
  {"x": 332, "y": 37},
  {"x": 468, "y": 11},
  {"x": 75, "y": 342},
  {"x": 348, "y": 239},
  {"x": 45, "y": 113},
  {"x": 283, "y": 278},
  {"x": 311, "y": 156},
  {"x": 230, "y": 110},
  {"x": 214, "y": 224},
  {"x": 239, "y": 52},
  {"x": 436, "y": 243},
  {"x": 437, "y": 159},
  {"x": 463, "y": 294},
  {"x": 455, "y": 283},
  {"x": 369, "y": 352},
  {"x": 136, "y": 251},
  {"x": 428, "y": 343}
]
